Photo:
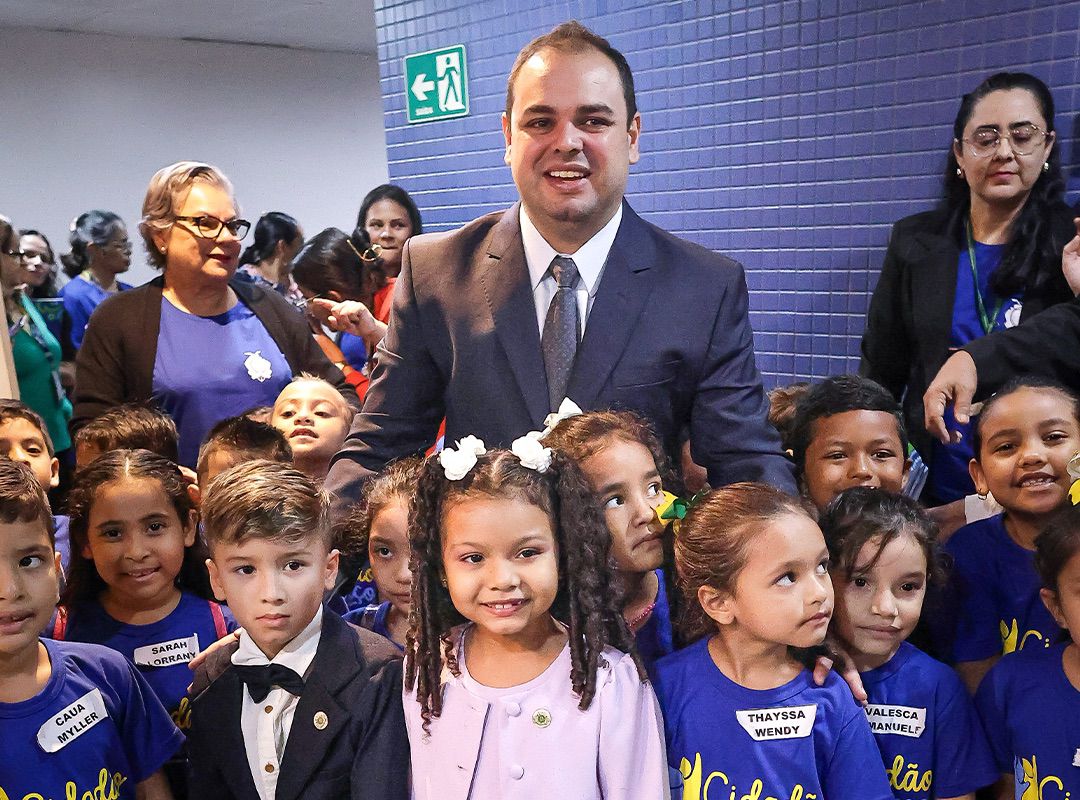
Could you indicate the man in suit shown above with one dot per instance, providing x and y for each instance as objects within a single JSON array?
[{"x": 566, "y": 294}]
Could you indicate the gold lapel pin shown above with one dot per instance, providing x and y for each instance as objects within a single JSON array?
[
  {"x": 321, "y": 720},
  {"x": 541, "y": 718}
]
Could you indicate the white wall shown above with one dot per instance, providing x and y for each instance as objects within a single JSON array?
[{"x": 87, "y": 119}]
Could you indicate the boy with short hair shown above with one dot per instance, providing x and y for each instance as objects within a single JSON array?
[
  {"x": 304, "y": 704},
  {"x": 76, "y": 720},
  {"x": 848, "y": 431},
  {"x": 132, "y": 426},
  {"x": 235, "y": 440},
  {"x": 315, "y": 419},
  {"x": 24, "y": 437}
]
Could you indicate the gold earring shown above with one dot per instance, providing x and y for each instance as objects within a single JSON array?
[{"x": 442, "y": 580}]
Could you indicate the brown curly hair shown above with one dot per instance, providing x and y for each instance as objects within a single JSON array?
[
  {"x": 583, "y": 436},
  {"x": 588, "y": 597},
  {"x": 84, "y": 582},
  {"x": 712, "y": 542},
  {"x": 397, "y": 481}
]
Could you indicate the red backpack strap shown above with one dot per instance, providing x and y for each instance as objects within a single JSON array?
[
  {"x": 220, "y": 628},
  {"x": 60, "y": 623}
]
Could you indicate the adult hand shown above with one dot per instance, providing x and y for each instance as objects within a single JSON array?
[
  {"x": 955, "y": 383},
  {"x": 227, "y": 639},
  {"x": 847, "y": 671},
  {"x": 348, "y": 316},
  {"x": 1070, "y": 260}
]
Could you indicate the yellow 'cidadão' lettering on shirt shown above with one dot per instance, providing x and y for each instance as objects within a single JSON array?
[
  {"x": 698, "y": 786},
  {"x": 181, "y": 715},
  {"x": 107, "y": 788},
  {"x": 907, "y": 778},
  {"x": 1027, "y": 778},
  {"x": 1011, "y": 640}
]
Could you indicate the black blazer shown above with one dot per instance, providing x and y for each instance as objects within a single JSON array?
[
  {"x": 362, "y": 753},
  {"x": 116, "y": 361},
  {"x": 668, "y": 335},
  {"x": 910, "y": 318}
]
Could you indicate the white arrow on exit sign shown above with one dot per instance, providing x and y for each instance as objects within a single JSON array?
[{"x": 421, "y": 87}]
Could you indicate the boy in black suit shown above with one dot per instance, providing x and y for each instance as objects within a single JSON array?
[{"x": 303, "y": 705}]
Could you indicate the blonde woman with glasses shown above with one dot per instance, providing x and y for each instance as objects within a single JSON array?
[{"x": 195, "y": 341}]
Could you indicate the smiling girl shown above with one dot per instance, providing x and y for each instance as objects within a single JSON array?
[
  {"x": 1023, "y": 441},
  {"x": 504, "y": 545}
]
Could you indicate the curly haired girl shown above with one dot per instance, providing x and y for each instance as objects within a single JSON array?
[{"x": 504, "y": 546}]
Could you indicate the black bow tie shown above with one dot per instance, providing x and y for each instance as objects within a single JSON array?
[{"x": 259, "y": 680}]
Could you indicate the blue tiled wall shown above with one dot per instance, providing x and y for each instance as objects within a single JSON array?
[{"x": 789, "y": 135}]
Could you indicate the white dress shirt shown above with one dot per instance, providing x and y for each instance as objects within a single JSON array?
[
  {"x": 589, "y": 258},
  {"x": 266, "y": 725}
]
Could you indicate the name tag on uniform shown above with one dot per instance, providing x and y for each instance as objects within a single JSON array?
[
  {"x": 782, "y": 722},
  {"x": 165, "y": 654},
  {"x": 72, "y": 722},
  {"x": 897, "y": 720}
]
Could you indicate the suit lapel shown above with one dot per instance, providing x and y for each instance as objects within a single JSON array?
[
  {"x": 505, "y": 278},
  {"x": 319, "y": 717},
  {"x": 625, "y": 287},
  {"x": 937, "y": 282},
  {"x": 221, "y": 704}
]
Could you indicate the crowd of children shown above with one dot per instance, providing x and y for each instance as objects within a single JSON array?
[{"x": 544, "y": 620}]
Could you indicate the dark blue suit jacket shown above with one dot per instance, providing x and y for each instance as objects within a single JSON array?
[{"x": 667, "y": 336}]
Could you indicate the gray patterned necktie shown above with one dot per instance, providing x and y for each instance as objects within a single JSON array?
[{"x": 560, "y": 339}]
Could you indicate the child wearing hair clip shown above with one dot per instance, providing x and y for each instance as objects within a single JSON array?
[
  {"x": 743, "y": 718},
  {"x": 497, "y": 689},
  {"x": 627, "y": 468}
]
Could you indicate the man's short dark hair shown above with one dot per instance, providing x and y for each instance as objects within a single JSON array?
[
  {"x": 132, "y": 426},
  {"x": 837, "y": 395},
  {"x": 573, "y": 37}
]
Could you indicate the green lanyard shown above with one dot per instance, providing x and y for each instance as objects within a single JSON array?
[{"x": 987, "y": 322}]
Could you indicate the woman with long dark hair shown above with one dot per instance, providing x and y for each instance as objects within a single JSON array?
[
  {"x": 388, "y": 217},
  {"x": 336, "y": 267},
  {"x": 988, "y": 258}
]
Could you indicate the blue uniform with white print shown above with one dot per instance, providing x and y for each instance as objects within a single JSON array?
[
  {"x": 1031, "y": 713},
  {"x": 210, "y": 368},
  {"x": 161, "y": 650},
  {"x": 925, "y": 724},
  {"x": 94, "y": 731},
  {"x": 797, "y": 741}
]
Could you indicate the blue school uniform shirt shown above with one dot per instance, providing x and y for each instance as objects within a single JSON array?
[
  {"x": 995, "y": 589},
  {"x": 80, "y": 298},
  {"x": 160, "y": 650},
  {"x": 62, "y": 531},
  {"x": 654, "y": 639},
  {"x": 373, "y": 618},
  {"x": 930, "y": 737},
  {"x": 1031, "y": 713},
  {"x": 210, "y": 368},
  {"x": 354, "y": 349},
  {"x": 797, "y": 740},
  {"x": 104, "y": 726},
  {"x": 949, "y": 477}
]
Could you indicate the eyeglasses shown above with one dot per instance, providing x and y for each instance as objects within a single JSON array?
[
  {"x": 211, "y": 227},
  {"x": 124, "y": 246},
  {"x": 19, "y": 254},
  {"x": 1024, "y": 140},
  {"x": 370, "y": 254}
]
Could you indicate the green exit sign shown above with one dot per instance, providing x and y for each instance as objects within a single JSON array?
[{"x": 436, "y": 84}]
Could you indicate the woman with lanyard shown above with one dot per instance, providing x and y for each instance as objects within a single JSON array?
[
  {"x": 34, "y": 349},
  {"x": 986, "y": 259}
]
